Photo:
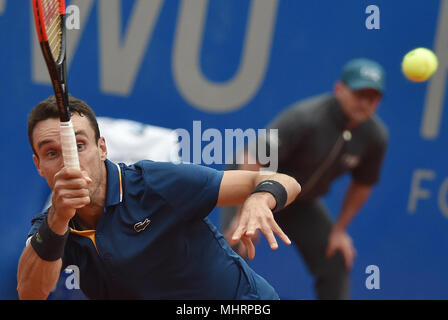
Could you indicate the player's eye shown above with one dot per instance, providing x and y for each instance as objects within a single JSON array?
[
  {"x": 81, "y": 146},
  {"x": 51, "y": 153}
]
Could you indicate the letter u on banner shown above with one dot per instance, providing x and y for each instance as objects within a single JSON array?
[{"x": 233, "y": 94}]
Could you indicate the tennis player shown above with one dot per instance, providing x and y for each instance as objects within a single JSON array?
[{"x": 141, "y": 231}]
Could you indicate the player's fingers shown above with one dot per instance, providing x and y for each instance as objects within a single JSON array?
[
  {"x": 270, "y": 237},
  {"x": 241, "y": 225},
  {"x": 353, "y": 255},
  {"x": 60, "y": 195},
  {"x": 348, "y": 257},
  {"x": 72, "y": 183},
  {"x": 86, "y": 177},
  {"x": 73, "y": 193},
  {"x": 68, "y": 173},
  {"x": 347, "y": 254},
  {"x": 238, "y": 233},
  {"x": 252, "y": 228},
  {"x": 75, "y": 203},
  {"x": 279, "y": 232},
  {"x": 350, "y": 253},
  {"x": 241, "y": 250},
  {"x": 249, "y": 247},
  {"x": 82, "y": 203}
]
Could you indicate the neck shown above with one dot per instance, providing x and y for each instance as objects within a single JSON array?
[
  {"x": 89, "y": 215},
  {"x": 352, "y": 124}
]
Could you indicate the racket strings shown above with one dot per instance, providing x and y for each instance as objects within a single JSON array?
[
  {"x": 55, "y": 38},
  {"x": 51, "y": 10},
  {"x": 53, "y": 25}
]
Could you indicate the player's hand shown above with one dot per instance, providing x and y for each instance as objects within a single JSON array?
[
  {"x": 339, "y": 240},
  {"x": 70, "y": 192},
  {"x": 237, "y": 246},
  {"x": 257, "y": 215},
  {"x": 242, "y": 249}
]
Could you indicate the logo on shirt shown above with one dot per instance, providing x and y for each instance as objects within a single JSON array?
[{"x": 140, "y": 226}]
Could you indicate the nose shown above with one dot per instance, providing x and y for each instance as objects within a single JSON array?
[{"x": 365, "y": 101}]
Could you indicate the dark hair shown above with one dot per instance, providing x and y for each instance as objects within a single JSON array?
[{"x": 48, "y": 109}]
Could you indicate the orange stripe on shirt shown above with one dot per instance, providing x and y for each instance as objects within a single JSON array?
[{"x": 87, "y": 234}]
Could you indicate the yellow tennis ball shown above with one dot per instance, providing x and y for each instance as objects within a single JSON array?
[{"x": 419, "y": 65}]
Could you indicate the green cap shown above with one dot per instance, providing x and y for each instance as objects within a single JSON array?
[{"x": 363, "y": 73}]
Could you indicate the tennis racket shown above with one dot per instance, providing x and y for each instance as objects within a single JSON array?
[{"x": 49, "y": 16}]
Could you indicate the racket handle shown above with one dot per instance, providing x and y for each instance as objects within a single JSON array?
[{"x": 69, "y": 148}]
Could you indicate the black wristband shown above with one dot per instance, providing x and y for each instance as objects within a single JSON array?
[
  {"x": 48, "y": 245},
  {"x": 277, "y": 190}
]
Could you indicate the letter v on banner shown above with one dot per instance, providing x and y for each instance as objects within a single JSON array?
[
  {"x": 235, "y": 93},
  {"x": 118, "y": 77}
]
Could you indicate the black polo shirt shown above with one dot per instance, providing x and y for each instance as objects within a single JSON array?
[{"x": 315, "y": 146}]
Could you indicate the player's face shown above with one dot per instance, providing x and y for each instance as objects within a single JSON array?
[
  {"x": 49, "y": 160},
  {"x": 359, "y": 105}
]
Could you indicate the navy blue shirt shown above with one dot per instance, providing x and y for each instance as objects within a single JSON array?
[{"x": 154, "y": 240}]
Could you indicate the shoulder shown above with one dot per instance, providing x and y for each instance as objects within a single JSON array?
[
  {"x": 156, "y": 168},
  {"x": 304, "y": 112},
  {"x": 191, "y": 188},
  {"x": 162, "y": 175},
  {"x": 377, "y": 130},
  {"x": 311, "y": 105}
]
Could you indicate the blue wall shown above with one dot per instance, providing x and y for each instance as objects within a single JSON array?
[{"x": 300, "y": 47}]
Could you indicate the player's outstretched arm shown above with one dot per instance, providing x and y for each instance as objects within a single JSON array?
[{"x": 237, "y": 188}]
